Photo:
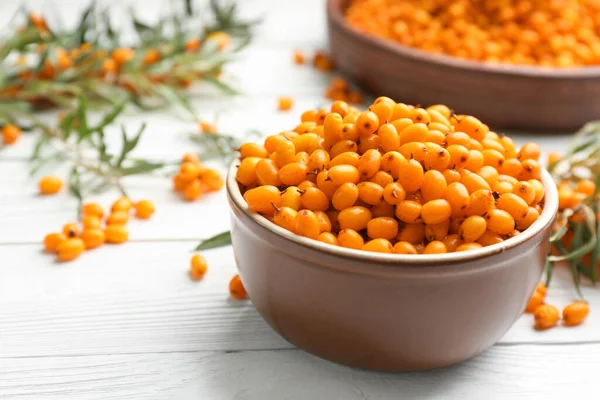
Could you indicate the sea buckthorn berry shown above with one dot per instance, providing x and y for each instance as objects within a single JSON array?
[
  {"x": 411, "y": 176},
  {"x": 314, "y": 199},
  {"x": 436, "y": 211},
  {"x": 309, "y": 116},
  {"x": 144, "y": 209},
  {"x": 198, "y": 267},
  {"x": 472, "y": 229},
  {"x": 525, "y": 191},
  {"x": 458, "y": 138},
  {"x": 349, "y": 132},
  {"x": 532, "y": 215},
  {"x": 575, "y": 313},
  {"x": 383, "y": 209},
  {"x": 369, "y": 163},
  {"x": 355, "y": 218},
  {"x": 416, "y": 150},
  {"x": 451, "y": 176},
  {"x": 91, "y": 222},
  {"x": 343, "y": 146},
  {"x": 391, "y": 162},
  {"x": 459, "y": 155},
  {"x": 536, "y": 300},
  {"x": 10, "y": 134},
  {"x": 71, "y": 230},
  {"x": 489, "y": 238},
  {"x": 455, "y": 224},
  {"x": 404, "y": 248},
  {"x": 92, "y": 209},
  {"x": 367, "y": 123},
  {"x": 369, "y": 192},
  {"x": 69, "y": 249},
  {"x": 507, "y": 178},
  {"x": 531, "y": 170},
  {"x": 513, "y": 204},
  {"x": 539, "y": 190},
  {"x": 192, "y": 158},
  {"x": 93, "y": 238},
  {"x": 585, "y": 186},
  {"x": 500, "y": 222},
  {"x": 401, "y": 124},
  {"x": 50, "y": 185},
  {"x": 193, "y": 191},
  {"x": 382, "y": 227},
  {"x": 475, "y": 161},
  {"x": 318, "y": 160},
  {"x": 474, "y": 182},
  {"x": 325, "y": 184},
  {"x": 291, "y": 174},
  {"x": 511, "y": 167},
  {"x": 271, "y": 142},
  {"x": 413, "y": 133},
  {"x": 490, "y": 174},
  {"x": 401, "y": 110},
  {"x": 327, "y": 237},
  {"x": 122, "y": 204},
  {"x": 307, "y": 143},
  {"x": 117, "y": 218},
  {"x": 343, "y": 173},
  {"x": 452, "y": 242},
  {"x": 285, "y": 217},
  {"x": 394, "y": 193},
  {"x": 458, "y": 196},
  {"x": 502, "y": 187},
  {"x": 383, "y": 110},
  {"x": 541, "y": 287},
  {"x": 285, "y": 103},
  {"x": 471, "y": 126},
  {"x": 345, "y": 196},
  {"x": 307, "y": 224},
  {"x": 437, "y": 159},
  {"x": 435, "y": 247},
  {"x": 492, "y": 158},
  {"x": 493, "y": 144},
  {"x": 546, "y": 317},
  {"x": 434, "y": 185},
  {"x": 340, "y": 107},
  {"x": 529, "y": 151},
  {"x": 324, "y": 222},
  {"x": 263, "y": 199},
  {"x": 52, "y": 240},
  {"x": 388, "y": 137},
  {"x": 382, "y": 178},
  {"x": 435, "y": 136},
  {"x": 349, "y": 158},
  {"x": 408, "y": 211},
  {"x": 379, "y": 246},
  {"x": 252, "y": 150},
  {"x": 437, "y": 231},
  {"x": 412, "y": 233},
  {"x": 368, "y": 143},
  {"x": 236, "y": 288},
  {"x": 554, "y": 157},
  {"x": 285, "y": 153},
  {"x": 291, "y": 197},
  {"x": 351, "y": 239},
  {"x": 267, "y": 172},
  {"x": 468, "y": 246}
]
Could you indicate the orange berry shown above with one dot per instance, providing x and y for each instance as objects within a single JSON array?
[
  {"x": 404, "y": 248},
  {"x": 436, "y": 211},
  {"x": 263, "y": 199},
  {"x": 355, "y": 218},
  {"x": 93, "y": 238},
  {"x": 52, "y": 240},
  {"x": 472, "y": 229},
  {"x": 89, "y": 221},
  {"x": 500, "y": 222},
  {"x": 50, "y": 185},
  {"x": 408, "y": 211},
  {"x": 586, "y": 187},
  {"x": 193, "y": 191},
  {"x": 236, "y": 288},
  {"x": 122, "y": 204},
  {"x": 351, "y": 239},
  {"x": 116, "y": 233},
  {"x": 144, "y": 209},
  {"x": 382, "y": 227},
  {"x": 92, "y": 209},
  {"x": 314, "y": 199},
  {"x": 198, "y": 267},
  {"x": 122, "y": 55},
  {"x": 69, "y": 249},
  {"x": 379, "y": 246},
  {"x": 327, "y": 237},
  {"x": 285, "y": 103},
  {"x": 575, "y": 313},
  {"x": 117, "y": 218},
  {"x": 545, "y": 316},
  {"x": 435, "y": 247},
  {"x": 71, "y": 230},
  {"x": 367, "y": 123},
  {"x": 307, "y": 224},
  {"x": 10, "y": 134},
  {"x": 468, "y": 246}
]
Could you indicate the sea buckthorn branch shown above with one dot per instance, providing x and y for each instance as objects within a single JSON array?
[
  {"x": 54, "y": 67},
  {"x": 577, "y": 174}
]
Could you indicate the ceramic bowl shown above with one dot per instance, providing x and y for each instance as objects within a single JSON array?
[
  {"x": 386, "y": 312},
  {"x": 503, "y": 96}
]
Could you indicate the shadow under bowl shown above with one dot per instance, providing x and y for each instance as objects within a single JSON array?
[
  {"x": 501, "y": 95},
  {"x": 387, "y": 312}
]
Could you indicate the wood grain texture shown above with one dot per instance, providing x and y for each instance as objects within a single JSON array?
[
  {"x": 525, "y": 371},
  {"x": 502, "y": 96}
]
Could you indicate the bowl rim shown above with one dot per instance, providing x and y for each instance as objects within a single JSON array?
[
  {"x": 402, "y": 260},
  {"x": 336, "y": 17}
]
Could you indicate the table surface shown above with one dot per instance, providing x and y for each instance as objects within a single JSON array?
[{"x": 125, "y": 322}]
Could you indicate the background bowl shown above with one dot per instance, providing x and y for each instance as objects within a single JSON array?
[
  {"x": 502, "y": 96},
  {"x": 383, "y": 311}
]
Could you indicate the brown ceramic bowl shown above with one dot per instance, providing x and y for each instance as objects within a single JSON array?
[
  {"x": 386, "y": 312},
  {"x": 502, "y": 96}
]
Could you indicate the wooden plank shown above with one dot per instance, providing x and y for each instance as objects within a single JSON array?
[
  {"x": 529, "y": 371},
  {"x": 137, "y": 298}
]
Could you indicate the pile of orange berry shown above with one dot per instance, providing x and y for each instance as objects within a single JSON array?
[
  {"x": 545, "y": 33},
  {"x": 194, "y": 179},
  {"x": 394, "y": 179},
  {"x": 546, "y": 316},
  {"x": 74, "y": 238}
]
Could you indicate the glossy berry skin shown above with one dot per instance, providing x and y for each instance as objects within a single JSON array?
[
  {"x": 70, "y": 249},
  {"x": 198, "y": 267},
  {"x": 50, "y": 185},
  {"x": 236, "y": 288}
]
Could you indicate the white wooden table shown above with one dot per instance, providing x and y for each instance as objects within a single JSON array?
[{"x": 125, "y": 322}]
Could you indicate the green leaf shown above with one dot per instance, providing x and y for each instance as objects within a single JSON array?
[
  {"x": 170, "y": 95},
  {"x": 141, "y": 168},
  {"x": 220, "y": 240}
]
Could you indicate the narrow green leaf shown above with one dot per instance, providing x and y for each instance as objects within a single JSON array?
[
  {"x": 220, "y": 240},
  {"x": 140, "y": 168}
]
